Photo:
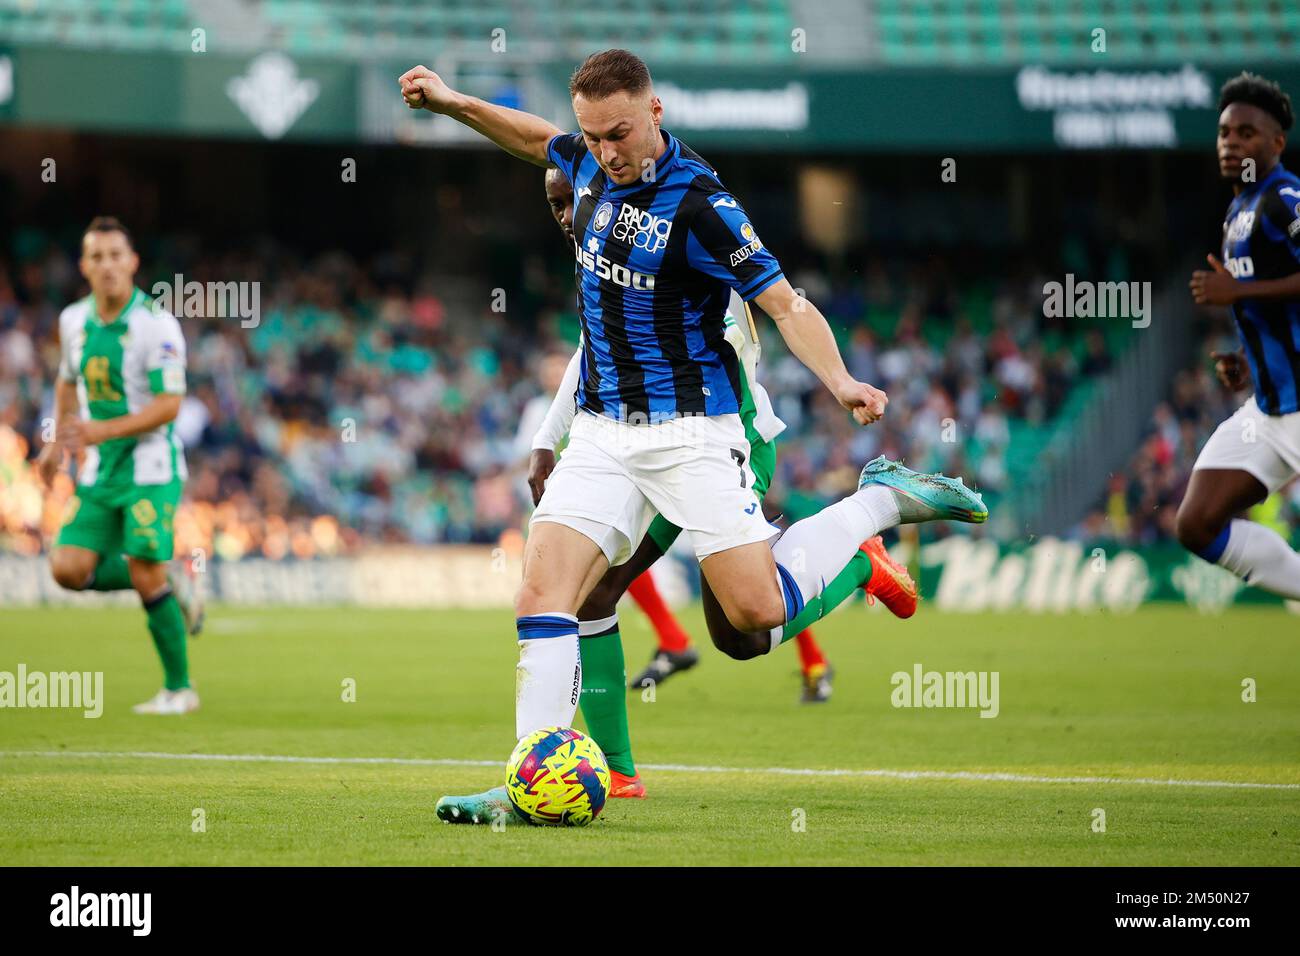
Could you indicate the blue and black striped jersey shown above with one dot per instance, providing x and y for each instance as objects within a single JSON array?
[
  {"x": 1261, "y": 240},
  {"x": 656, "y": 261}
]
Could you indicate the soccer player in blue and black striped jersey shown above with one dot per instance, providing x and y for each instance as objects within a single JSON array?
[
  {"x": 1257, "y": 450},
  {"x": 659, "y": 243}
]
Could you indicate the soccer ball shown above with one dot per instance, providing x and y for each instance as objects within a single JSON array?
[{"x": 557, "y": 777}]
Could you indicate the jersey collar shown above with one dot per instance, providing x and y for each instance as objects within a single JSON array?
[
  {"x": 1274, "y": 173},
  {"x": 135, "y": 294},
  {"x": 665, "y": 160}
]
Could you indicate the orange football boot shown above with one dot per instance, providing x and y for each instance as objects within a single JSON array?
[
  {"x": 621, "y": 786},
  {"x": 889, "y": 580}
]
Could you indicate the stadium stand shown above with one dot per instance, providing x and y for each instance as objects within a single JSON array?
[
  {"x": 960, "y": 33},
  {"x": 427, "y": 398}
]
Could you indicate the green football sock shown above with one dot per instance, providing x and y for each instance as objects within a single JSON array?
[
  {"x": 167, "y": 625},
  {"x": 604, "y": 697},
  {"x": 855, "y": 574},
  {"x": 111, "y": 574}
]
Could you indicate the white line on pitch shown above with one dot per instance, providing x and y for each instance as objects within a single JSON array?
[{"x": 955, "y": 775}]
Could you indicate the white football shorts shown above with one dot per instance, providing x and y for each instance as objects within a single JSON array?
[
  {"x": 613, "y": 477},
  {"x": 1266, "y": 446}
]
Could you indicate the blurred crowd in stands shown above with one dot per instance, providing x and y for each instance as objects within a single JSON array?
[{"x": 368, "y": 404}]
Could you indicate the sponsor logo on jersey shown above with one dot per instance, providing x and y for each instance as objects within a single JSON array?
[
  {"x": 613, "y": 271},
  {"x": 1241, "y": 225},
  {"x": 1242, "y": 267},
  {"x": 726, "y": 202},
  {"x": 602, "y": 217},
  {"x": 642, "y": 229},
  {"x": 752, "y": 245}
]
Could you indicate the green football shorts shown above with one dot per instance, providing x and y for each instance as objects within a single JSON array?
[{"x": 135, "y": 521}]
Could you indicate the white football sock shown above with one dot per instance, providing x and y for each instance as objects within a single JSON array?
[
  {"x": 816, "y": 549},
  {"x": 1260, "y": 557},
  {"x": 548, "y": 678}
]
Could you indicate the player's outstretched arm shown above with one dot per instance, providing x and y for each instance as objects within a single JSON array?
[
  {"x": 805, "y": 331},
  {"x": 518, "y": 133}
]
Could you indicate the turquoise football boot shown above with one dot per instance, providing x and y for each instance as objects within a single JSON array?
[
  {"x": 924, "y": 497},
  {"x": 477, "y": 808}
]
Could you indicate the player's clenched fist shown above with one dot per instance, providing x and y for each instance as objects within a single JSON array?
[
  {"x": 1214, "y": 288},
  {"x": 541, "y": 462},
  {"x": 423, "y": 89},
  {"x": 866, "y": 402}
]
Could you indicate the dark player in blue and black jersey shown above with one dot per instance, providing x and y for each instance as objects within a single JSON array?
[
  {"x": 1257, "y": 450},
  {"x": 659, "y": 244}
]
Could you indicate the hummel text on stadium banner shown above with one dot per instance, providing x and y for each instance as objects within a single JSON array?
[
  {"x": 923, "y": 688},
  {"x": 210, "y": 300},
  {"x": 1098, "y": 300},
  {"x": 103, "y": 909},
  {"x": 82, "y": 690}
]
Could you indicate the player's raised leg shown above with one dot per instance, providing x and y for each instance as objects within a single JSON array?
[
  {"x": 80, "y": 569},
  {"x": 817, "y": 550},
  {"x": 1208, "y": 526}
]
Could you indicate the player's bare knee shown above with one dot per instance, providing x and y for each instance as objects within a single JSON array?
[
  {"x": 743, "y": 647},
  {"x": 533, "y": 598},
  {"x": 1195, "y": 531},
  {"x": 71, "y": 570},
  {"x": 147, "y": 577},
  {"x": 751, "y": 613}
]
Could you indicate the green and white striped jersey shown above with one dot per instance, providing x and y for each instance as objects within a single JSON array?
[{"x": 119, "y": 366}]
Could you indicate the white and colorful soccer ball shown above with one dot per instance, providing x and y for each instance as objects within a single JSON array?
[{"x": 557, "y": 776}]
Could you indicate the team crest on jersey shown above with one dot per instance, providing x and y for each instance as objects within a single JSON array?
[{"x": 602, "y": 217}]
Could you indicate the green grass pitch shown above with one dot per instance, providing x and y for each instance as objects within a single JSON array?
[{"x": 1155, "y": 695}]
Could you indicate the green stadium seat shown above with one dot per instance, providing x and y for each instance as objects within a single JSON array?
[{"x": 957, "y": 32}]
